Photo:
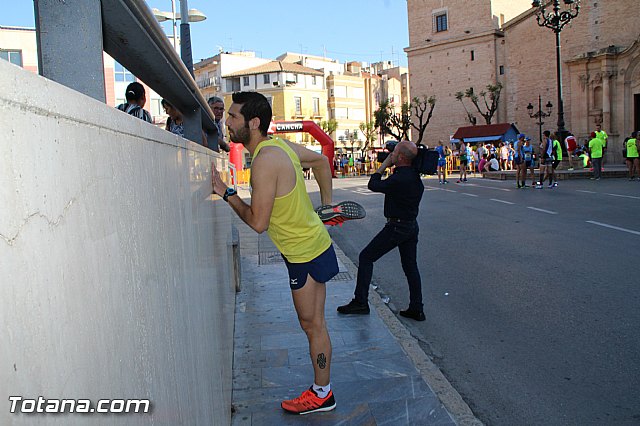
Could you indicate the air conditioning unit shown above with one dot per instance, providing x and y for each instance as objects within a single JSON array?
[{"x": 276, "y": 83}]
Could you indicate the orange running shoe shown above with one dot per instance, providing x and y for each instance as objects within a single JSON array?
[
  {"x": 333, "y": 214},
  {"x": 309, "y": 402}
]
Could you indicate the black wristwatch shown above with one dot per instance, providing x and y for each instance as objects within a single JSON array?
[{"x": 228, "y": 193}]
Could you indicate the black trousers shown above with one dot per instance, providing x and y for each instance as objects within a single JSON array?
[
  {"x": 597, "y": 167},
  {"x": 403, "y": 235}
]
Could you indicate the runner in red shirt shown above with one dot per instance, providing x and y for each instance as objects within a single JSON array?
[{"x": 571, "y": 144}]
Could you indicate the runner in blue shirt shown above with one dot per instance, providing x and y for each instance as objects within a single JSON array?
[{"x": 443, "y": 153}]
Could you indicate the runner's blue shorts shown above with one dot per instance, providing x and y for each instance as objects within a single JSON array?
[
  {"x": 321, "y": 269},
  {"x": 442, "y": 162}
]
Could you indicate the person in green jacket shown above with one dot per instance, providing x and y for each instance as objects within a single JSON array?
[
  {"x": 602, "y": 135},
  {"x": 633, "y": 161},
  {"x": 596, "y": 146},
  {"x": 557, "y": 151}
]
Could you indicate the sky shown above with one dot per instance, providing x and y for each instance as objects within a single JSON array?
[{"x": 357, "y": 30}]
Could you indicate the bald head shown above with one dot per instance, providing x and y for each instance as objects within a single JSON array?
[{"x": 405, "y": 153}]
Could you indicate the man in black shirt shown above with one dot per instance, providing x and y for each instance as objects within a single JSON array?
[{"x": 403, "y": 191}]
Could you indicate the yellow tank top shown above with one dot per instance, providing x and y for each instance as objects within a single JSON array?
[{"x": 294, "y": 227}]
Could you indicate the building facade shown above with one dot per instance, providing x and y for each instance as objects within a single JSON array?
[
  {"x": 208, "y": 72},
  {"x": 18, "y": 45},
  {"x": 455, "y": 45},
  {"x": 295, "y": 92}
]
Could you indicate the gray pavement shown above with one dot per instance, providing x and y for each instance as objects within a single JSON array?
[
  {"x": 378, "y": 368},
  {"x": 531, "y": 296}
]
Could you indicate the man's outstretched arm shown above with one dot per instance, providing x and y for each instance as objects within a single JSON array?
[
  {"x": 321, "y": 170},
  {"x": 263, "y": 184}
]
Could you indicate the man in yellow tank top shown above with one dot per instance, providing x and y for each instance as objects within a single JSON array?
[{"x": 281, "y": 206}]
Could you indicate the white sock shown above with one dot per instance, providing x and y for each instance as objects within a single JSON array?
[{"x": 322, "y": 391}]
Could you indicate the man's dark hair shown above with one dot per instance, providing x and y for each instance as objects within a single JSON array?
[
  {"x": 634, "y": 134},
  {"x": 134, "y": 92},
  {"x": 254, "y": 105},
  {"x": 547, "y": 133}
]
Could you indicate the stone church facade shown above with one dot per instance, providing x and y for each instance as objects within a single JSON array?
[{"x": 457, "y": 44}]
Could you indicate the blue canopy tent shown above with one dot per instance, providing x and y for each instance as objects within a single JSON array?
[{"x": 488, "y": 133}]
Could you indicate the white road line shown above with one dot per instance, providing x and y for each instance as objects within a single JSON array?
[
  {"x": 448, "y": 190},
  {"x": 366, "y": 193},
  {"x": 542, "y": 210},
  {"x": 586, "y": 192},
  {"x": 488, "y": 187},
  {"x": 617, "y": 228},
  {"x": 468, "y": 195},
  {"x": 502, "y": 201},
  {"x": 623, "y": 196}
]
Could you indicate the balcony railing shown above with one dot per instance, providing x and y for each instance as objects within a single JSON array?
[{"x": 209, "y": 82}]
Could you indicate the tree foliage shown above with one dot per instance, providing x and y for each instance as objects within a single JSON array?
[
  {"x": 391, "y": 122},
  {"x": 369, "y": 131},
  {"x": 420, "y": 107},
  {"x": 487, "y": 106},
  {"x": 397, "y": 124},
  {"x": 328, "y": 126}
]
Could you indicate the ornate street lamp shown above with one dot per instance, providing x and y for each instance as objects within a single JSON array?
[
  {"x": 556, "y": 19},
  {"x": 539, "y": 115}
]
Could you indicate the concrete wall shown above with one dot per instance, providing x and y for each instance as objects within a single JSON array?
[{"x": 114, "y": 261}]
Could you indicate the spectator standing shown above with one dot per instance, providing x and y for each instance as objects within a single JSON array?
[
  {"x": 518, "y": 156},
  {"x": 510, "y": 158},
  {"x": 602, "y": 135},
  {"x": 570, "y": 144},
  {"x": 217, "y": 106},
  {"x": 472, "y": 159},
  {"x": 504, "y": 155},
  {"x": 633, "y": 160},
  {"x": 481, "y": 152},
  {"x": 596, "y": 151},
  {"x": 546, "y": 160},
  {"x": 136, "y": 100},
  {"x": 443, "y": 153},
  {"x": 464, "y": 161},
  {"x": 557, "y": 157},
  {"x": 529, "y": 162}
]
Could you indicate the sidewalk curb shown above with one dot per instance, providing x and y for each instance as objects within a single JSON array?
[{"x": 431, "y": 374}]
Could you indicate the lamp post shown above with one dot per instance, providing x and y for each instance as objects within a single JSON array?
[
  {"x": 185, "y": 16},
  {"x": 556, "y": 19},
  {"x": 539, "y": 115}
]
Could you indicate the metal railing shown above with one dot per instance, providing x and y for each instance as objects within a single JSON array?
[
  {"x": 72, "y": 35},
  {"x": 209, "y": 82}
]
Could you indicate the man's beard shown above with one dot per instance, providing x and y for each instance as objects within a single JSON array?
[{"x": 241, "y": 135}]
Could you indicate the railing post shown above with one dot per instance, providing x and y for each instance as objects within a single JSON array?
[
  {"x": 192, "y": 124},
  {"x": 71, "y": 29}
]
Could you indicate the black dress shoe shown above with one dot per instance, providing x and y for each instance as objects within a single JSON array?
[
  {"x": 414, "y": 315},
  {"x": 354, "y": 307}
]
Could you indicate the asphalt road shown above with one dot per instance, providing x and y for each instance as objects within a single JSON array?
[{"x": 532, "y": 297}]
